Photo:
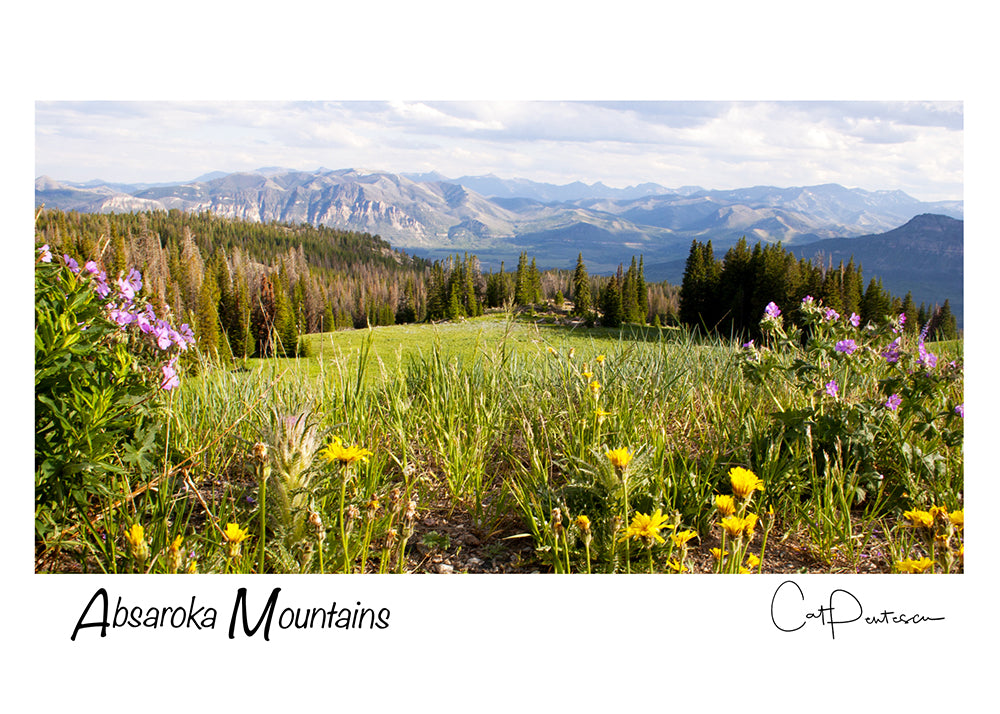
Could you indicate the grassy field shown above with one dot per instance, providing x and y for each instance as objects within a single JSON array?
[{"x": 503, "y": 445}]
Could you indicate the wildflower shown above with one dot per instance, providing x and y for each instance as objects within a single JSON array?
[
  {"x": 919, "y": 519},
  {"x": 846, "y": 346},
  {"x": 45, "y": 255},
  {"x": 957, "y": 519},
  {"x": 175, "y": 554},
  {"x": 718, "y": 553},
  {"x": 599, "y": 359},
  {"x": 744, "y": 482},
  {"x": 752, "y": 560},
  {"x": 855, "y": 319},
  {"x": 557, "y": 520},
  {"x": 891, "y": 355},
  {"x": 587, "y": 376},
  {"x": 830, "y": 315},
  {"x": 101, "y": 285},
  {"x": 807, "y": 300},
  {"x": 747, "y": 345},
  {"x": 620, "y": 457},
  {"x": 893, "y": 402},
  {"x": 91, "y": 267},
  {"x": 162, "y": 331},
  {"x": 725, "y": 505},
  {"x": 372, "y": 506},
  {"x": 336, "y": 451},
  {"x": 915, "y": 566},
  {"x": 749, "y": 523},
  {"x": 234, "y": 535},
  {"x": 601, "y": 414},
  {"x": 733, "y": 526},
  {"x": 551, "y": 350},
  {"x": 772, "y": 311},
  {"x": 676, "y": 567},
  {"x": 122, "y": 317},
  {"x": 170, "y": 378},
  {"x": 73, "y": 265},
  {"x": 136, "y": 539},
  {"x": 960, "y": 410},
  {"x": 927, "y": 359},
  {"x": 831, "y": 388},
  {"x": 583, "y": 523},
  {"x": 259, "y": 452},
  {"x": 595, "y": 388},
  {"x": 647, "y": 528},
  {"x": 680, "y": 539}
]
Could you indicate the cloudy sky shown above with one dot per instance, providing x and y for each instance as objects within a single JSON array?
[{"x": 915, "y": 146}]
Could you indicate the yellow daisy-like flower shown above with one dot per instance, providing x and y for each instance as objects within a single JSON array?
[
  {"x": 725, "y": 505},
  {"x": 595, "y": 388},
  {"x": 587, "y": 376},
  {"x": 599, "y": 359},
  {"x": 915, "y": 566},
  {"x": 676, "y": 567},
  {"x": 957, "y": 519},
  {"x": 234, "y": 534},
  {"x": 176, "y": 545},
  {"x": 749, "y": 523},
  {"x": 733, "y": 525},
  {"x": 346, "y": 455},
  {"x": 744, "y": 482},
  {"x": 601, "y": 414},
  {"x": 717, "y": 553},
  {"x": 919, "y": 519},
  {"x": 583, "y": 523},
  {"x": 620, "y": 457},
  {"x": 752, "y": 560},
  {"x": 647, "y": 528},
  {"x": 681, "y": 539}
]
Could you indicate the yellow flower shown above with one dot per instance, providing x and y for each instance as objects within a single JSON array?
[
  {"x": 587, "y": 376},
  {"x": 920, "y": 519},
  {"x": 647, "y": 528},
  {"x": 717, "y": 553},
  {"x": 599, "y": 359},
  {"x": 234, "y": 534},
  {"x": 595, "y": 387},
  {"x": 346, "y": 455},
  {"x": 620, "y": 457},
  {"x": 176, "y": 545},
  {"x": 733, "y": 525},
  {"x": 676, "y": 567},
  {"x": 957, "y": 519},
  {"x": 583, "y": 523},
  {"x": 135, "y": 536},
  {"x": 681, "y": 539},
  {"x": 744, "y": 482},
  {"x": 749, "y": 523},
  {"x": 914, "y": 566},
  {"x": 752, "y": 560},
  {"x": 725, "y": 505}
]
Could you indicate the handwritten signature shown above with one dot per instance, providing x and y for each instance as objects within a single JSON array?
[{"x": 841, "y": 608}]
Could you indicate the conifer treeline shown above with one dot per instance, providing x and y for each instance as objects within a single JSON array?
[
  {"x": 729, "y": 296},
  {"x": 250, "y": 289}
]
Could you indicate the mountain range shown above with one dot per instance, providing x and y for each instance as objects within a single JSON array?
[{"x": 433, "y": 216}]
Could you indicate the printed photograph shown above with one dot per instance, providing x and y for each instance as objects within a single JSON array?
[{"x": 499, "y": 337}]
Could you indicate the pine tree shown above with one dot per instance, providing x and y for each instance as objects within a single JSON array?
[{"x": 581, "y": 288}]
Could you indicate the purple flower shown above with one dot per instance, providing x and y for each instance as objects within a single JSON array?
[
  {"x": 893, "y": 402},
  {"x": 73, "y": 265},
  {"x": 892, "y": 354},
  {"x": 748, "y": 345},
  {"x": 847, "y": 346},
  {"x": 146, "y": 319},
  {"x": 807, "y": 300},
  {"x": 91, "y": 267},
  {"x": 46, "y": 254},
  {"x": 772, "y": 310},
  {"x": 101, "y": 285},
  {"x": 960, "y": 410},
  {"x": 831, "y": 388},
  {"x": 855, "y": 319},
  {"x": 927, "y": 359},
  {"x": 188, "y": 336},
  {"x": 122, "y": 317},
  {"x": 170, "y": 378},
  {"x": 163, "y": 333},
  {"x": 831, "y": 315}
]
